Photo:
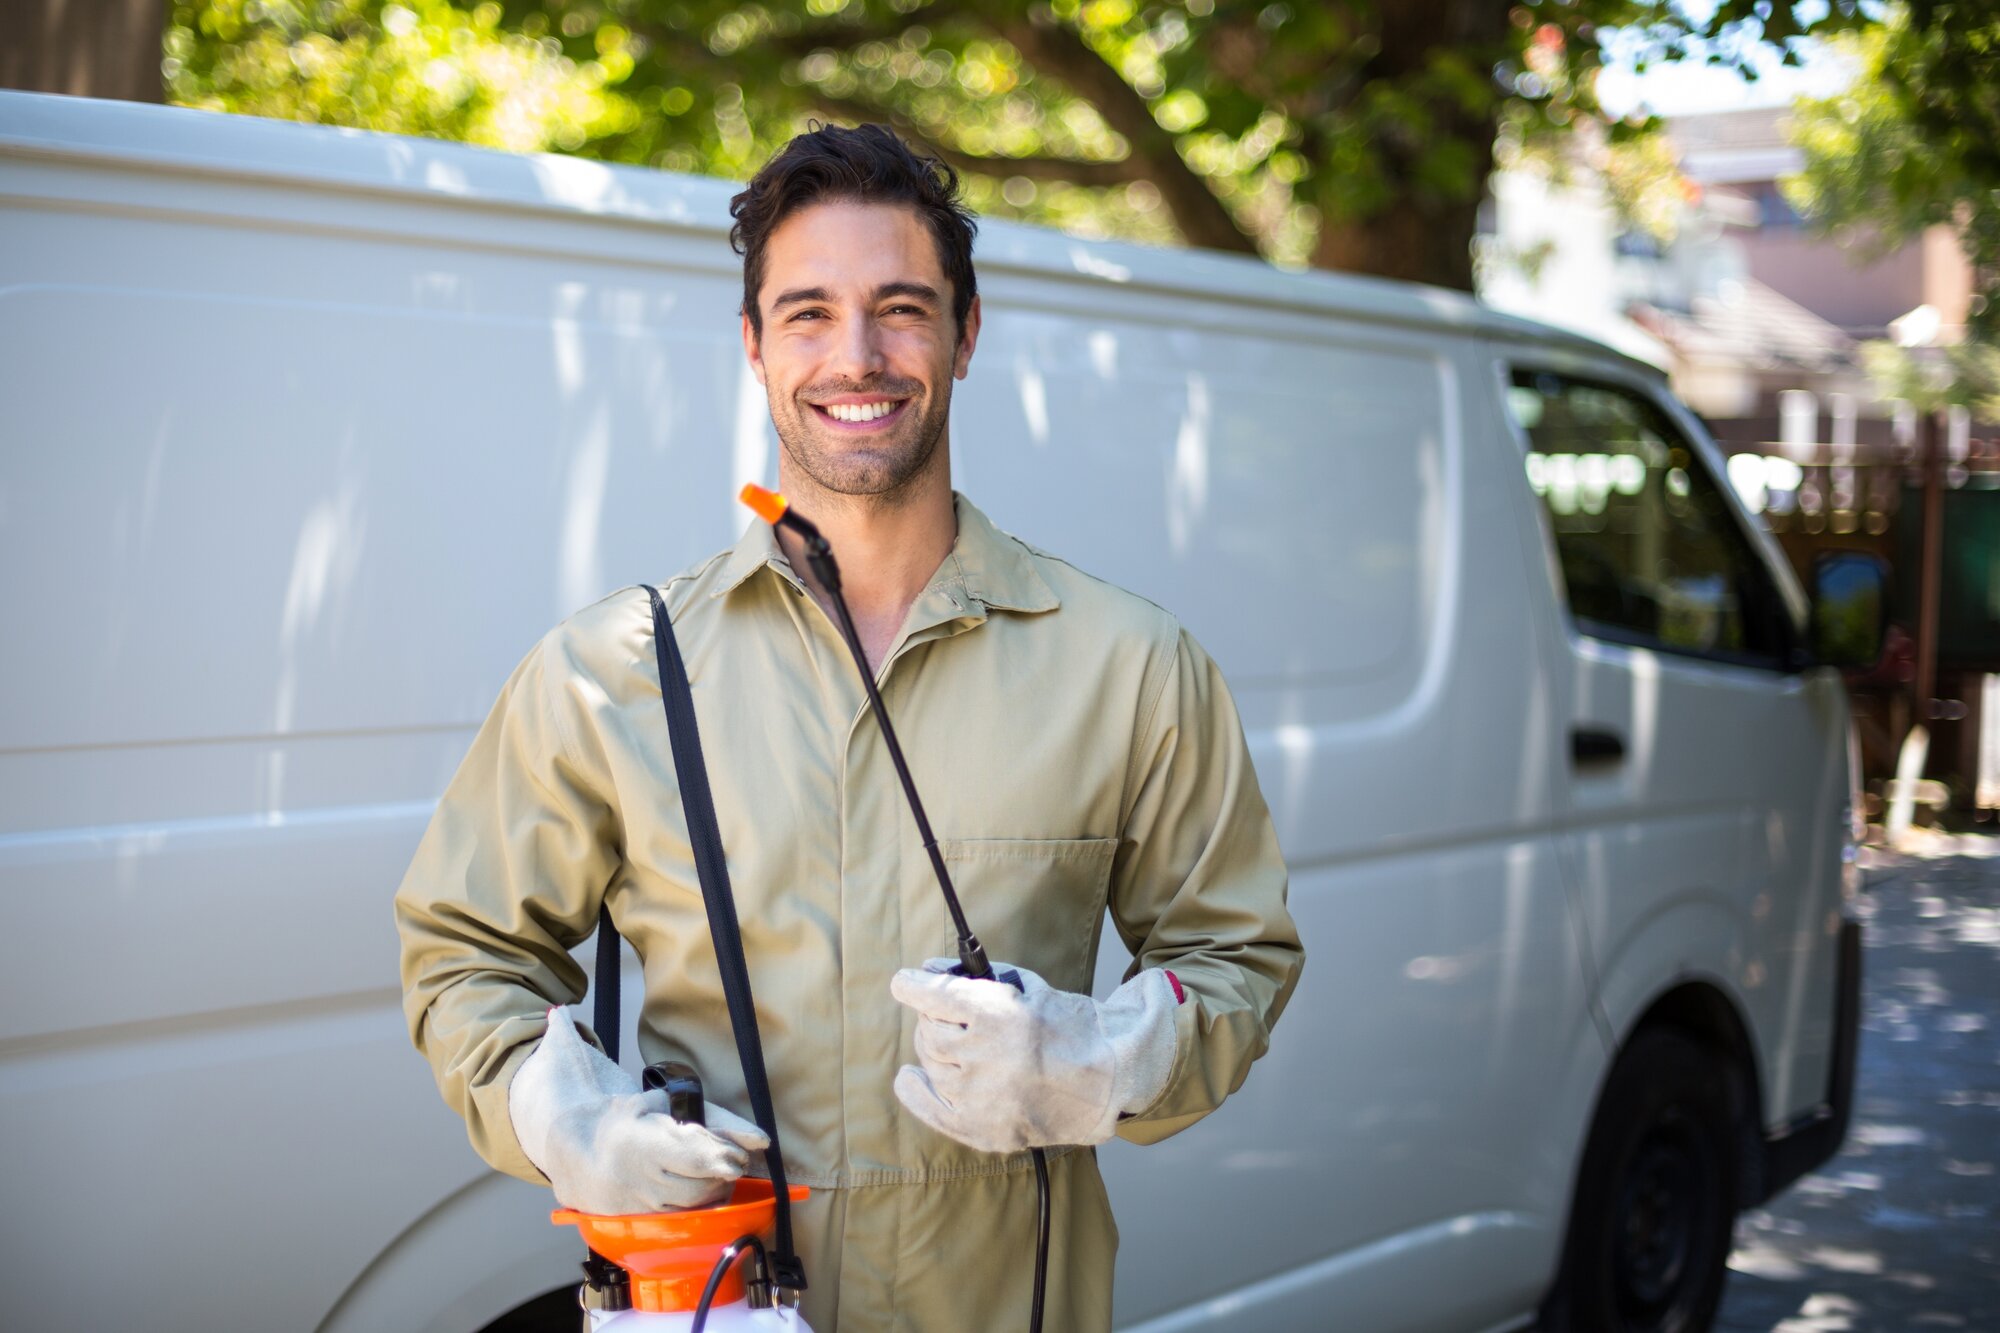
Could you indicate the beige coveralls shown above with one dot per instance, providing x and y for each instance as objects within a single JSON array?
[{"x": 1074, "y": 748}]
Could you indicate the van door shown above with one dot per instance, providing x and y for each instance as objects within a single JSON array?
[{"x": 1703, "y": 765}]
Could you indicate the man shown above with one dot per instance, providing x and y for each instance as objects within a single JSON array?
[{"x": 1075, "y": 748}]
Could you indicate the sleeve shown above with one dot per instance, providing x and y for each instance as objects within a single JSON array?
[
  {"x": 506, "y": 881},
  {"x": 1198, "y": 887}
]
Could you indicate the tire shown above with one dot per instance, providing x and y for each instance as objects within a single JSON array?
[
  {"x": 551, "y": 1312},
  {"x": 1655, "y": 1207}
]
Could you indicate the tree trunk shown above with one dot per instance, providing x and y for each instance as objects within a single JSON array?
[
  {"x": 1055, "y": 48},
  {"x": 1420, "y": 235},
  {"x": 1409, "y": 239},
  {"x": 85, "y": 48}
]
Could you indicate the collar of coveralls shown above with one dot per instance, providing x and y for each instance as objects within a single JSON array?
[{"x": 986, "y": 566}]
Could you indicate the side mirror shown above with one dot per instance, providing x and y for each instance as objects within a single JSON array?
[{"x": 1850, "y": 594}]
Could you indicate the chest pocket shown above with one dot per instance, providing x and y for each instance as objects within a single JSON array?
[{"x": 1038, "y": 902}]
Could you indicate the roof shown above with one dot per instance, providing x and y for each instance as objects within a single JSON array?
[
  {"x": 1751, "y": 127},
  {"x": 1748, "y": 324},
  {"x": 1736, "y": 147},
  {"x": 196, "y": 142}
]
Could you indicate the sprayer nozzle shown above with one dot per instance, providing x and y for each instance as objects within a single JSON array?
[{"x": 770, "y": 505}]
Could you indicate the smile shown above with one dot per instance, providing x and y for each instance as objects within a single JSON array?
[{"x": 860, "y": 414}]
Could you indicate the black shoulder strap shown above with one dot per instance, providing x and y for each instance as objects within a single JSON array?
[
  {"x": 605, "y": 1285},
  {"x": 604, "y": 1006},
  {"x": 698, "y": 804}
]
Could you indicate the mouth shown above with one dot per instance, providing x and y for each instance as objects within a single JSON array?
[{"x": 861, "y": 415}]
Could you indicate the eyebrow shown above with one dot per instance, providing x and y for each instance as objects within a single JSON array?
[
  {"x": 799, "y": 296},
  {"x": 923, "y": 291}
]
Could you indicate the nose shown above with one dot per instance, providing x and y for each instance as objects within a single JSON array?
[{"x": 857, "y": 353}]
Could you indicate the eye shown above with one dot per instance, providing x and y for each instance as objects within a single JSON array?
[{"x": 806, "y": 314}]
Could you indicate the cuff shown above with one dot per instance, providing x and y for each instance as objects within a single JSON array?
[
  {"x": 489, "y": 1125},
  {"x": 1138, "y": 1021},
  {"x": 561, "y": 1073}
]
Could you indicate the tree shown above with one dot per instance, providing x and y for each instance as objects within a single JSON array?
[
  {"x": 415, "y": 67},
  {"x": 1962, "y": 374},
  {"x": 1915, "y": 142},
  {"x": 1351, "y": 134}
]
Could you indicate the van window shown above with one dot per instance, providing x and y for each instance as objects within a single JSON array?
[{"x": 1649, "y": 552}]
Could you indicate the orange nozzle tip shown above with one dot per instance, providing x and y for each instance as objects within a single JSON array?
[{"x": 770, "y": 505}]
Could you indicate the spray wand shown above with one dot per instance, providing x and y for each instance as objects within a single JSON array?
[{"x": 776, "y": 510}]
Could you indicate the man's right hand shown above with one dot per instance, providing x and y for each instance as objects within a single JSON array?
[{"x": 608, "y": 1147}]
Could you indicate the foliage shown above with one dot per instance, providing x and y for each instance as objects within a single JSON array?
[
  {"x": 1964, "y": 374},
  {"x": 1914, "y": 143},
  {"x": 1349, "y": 133},
  {"x": 409, "y": 67}
]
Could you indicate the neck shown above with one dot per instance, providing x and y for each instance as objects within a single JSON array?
[{"x": 888, "y": 546}]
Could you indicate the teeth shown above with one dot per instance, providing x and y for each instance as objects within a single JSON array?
[{"x": 859, "y": 411}]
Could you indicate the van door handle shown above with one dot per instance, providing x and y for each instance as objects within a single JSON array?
[{"x": 1592, "y": 745}]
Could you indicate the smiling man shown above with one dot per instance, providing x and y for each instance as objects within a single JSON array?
[{"x": 1077, "y": 751}]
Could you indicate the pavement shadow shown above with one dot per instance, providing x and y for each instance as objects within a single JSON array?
[{"x": 1898, "y": 1231}]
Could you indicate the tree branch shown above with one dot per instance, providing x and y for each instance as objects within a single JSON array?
[
  {"x": 1095, "y": 175},
  {"x": 685, "y": 45},
  {"x": 1076, "y": 171},
  {"x": 836, "y": 35},
  {"x": 1059, "y": 50},
  {"x": 1054, "y": 49}
]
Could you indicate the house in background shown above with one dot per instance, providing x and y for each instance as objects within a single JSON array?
[
  {"x": 1757, "y": 306},
  {"x": 1740, "y": 155},
  {"x": 1744, "y": 306}
]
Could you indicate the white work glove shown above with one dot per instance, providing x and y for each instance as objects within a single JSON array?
[
  {"x": 608, "y": 1147},
  {"x": 1005, "y": 1069}
]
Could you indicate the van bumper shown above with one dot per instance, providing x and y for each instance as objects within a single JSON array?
[{"x": 1817, "y": 1135}]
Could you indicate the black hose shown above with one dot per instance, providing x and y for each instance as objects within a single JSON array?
[
  {"x": 1041, "y": 1238},
  {"x": 972, "y": 956},
  {"x": 722, "y": 1262}
]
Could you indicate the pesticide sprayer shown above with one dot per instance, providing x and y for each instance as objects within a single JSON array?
[{"x": 682, "y": 1272}]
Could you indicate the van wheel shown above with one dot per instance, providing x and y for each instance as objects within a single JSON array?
[
  {"x": 551, "y": 1312},
  {"x": 1655, "y": 1208}
]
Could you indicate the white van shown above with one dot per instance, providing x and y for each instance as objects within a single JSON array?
[{"x": 308, "y": 434}]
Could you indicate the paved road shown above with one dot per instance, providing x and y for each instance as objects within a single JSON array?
[{"x": 1901, "y": 1231}]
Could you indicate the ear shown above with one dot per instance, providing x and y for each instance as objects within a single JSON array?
[
  {"x": 962, "y": 360},
  {"x": 751, "y": 348}
]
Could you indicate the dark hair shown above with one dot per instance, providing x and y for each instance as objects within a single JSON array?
[{"x": 866, "y": 164}]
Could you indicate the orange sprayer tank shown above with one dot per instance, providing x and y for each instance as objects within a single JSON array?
[{"x": 669, "y": 1257}]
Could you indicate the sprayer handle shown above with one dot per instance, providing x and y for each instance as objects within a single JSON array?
[
  {"x": 1006, "y": 976},
  {"x": 683, "y": 1085}
]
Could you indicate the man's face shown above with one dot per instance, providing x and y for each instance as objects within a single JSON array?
[{"x": 859, "y": 347}]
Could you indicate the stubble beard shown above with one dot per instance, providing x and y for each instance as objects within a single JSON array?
[{"x": 871, "y": 470}]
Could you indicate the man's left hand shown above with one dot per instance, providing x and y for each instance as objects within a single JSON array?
[{"x": 1005, "y": 1069}]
